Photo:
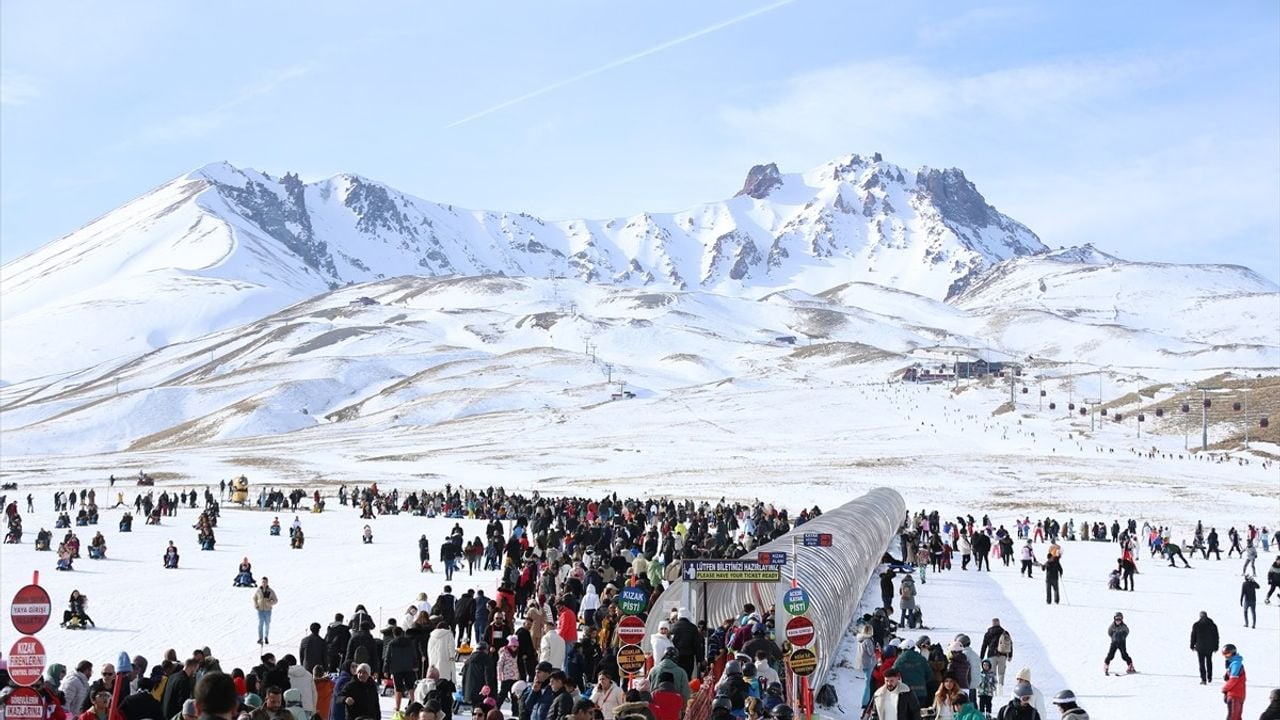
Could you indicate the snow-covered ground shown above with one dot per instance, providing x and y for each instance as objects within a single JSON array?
[
  {"x": 1064, "y": 645},
  {"x": 142, "y": 608}
]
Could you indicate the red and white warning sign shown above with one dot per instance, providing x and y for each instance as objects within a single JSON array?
[
  {"x": 26, "y": 661},
  {"x": 30, "y": 609},
  {"x": 24, "y": 704}
]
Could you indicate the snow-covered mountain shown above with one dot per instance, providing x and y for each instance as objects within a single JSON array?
[{"x": 222, "y": 246}]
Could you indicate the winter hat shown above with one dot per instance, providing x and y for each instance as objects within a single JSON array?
[
  {"x": 519, "y": 687},
  {"x": 1064, "y": 697},
  {"x": 908, "y": 645},
  {"x": 189, "y": 708},
  {"x": 513, "y": 641},
  {"x": 986, "y": 662},
  {"x": 253, "y": 701},
  {"x": 664, "y": 626},
  {"x": 293, "y": 696},
  {"x": 956, "y": 646},
  {"x": 1023, "y": 675},
  {"x": 1022, "y": 690},
  {"x": 922, "y": 641}
]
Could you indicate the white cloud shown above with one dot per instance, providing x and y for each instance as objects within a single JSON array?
[{"x": 16, "y": 89}]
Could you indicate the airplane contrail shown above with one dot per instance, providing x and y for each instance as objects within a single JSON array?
[{"x": 620, "y": 62}]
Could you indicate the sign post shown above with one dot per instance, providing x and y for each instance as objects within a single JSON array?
[
  {"x": 630, "y": 661},
  {"x": 796, "y": 601},
  {"x": 24, "y": 703},
  {"x": 632, "y": 601},
  {"x": 800, "y": 631},
  {"x": 30, "y": 609},
  {"x": 26, "y": 661},
  {"x": 630, "y": 630}
]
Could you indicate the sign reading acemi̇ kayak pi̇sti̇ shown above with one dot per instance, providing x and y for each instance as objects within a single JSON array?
[
  {"x": 630, "y": 658},
  {"x": 729, "y": 571},
  {"x": 30, "y": 609},
  {"x": 631, "y": 630},
  {"x": 26, "y": 661},
  {"x": 24, "y": 703},
  {"x": 632, "y": 601},
  {"x": 803, "y": 662},
  {"x": 796, "y": 601}
]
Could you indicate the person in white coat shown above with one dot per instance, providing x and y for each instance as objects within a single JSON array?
[
  {"x": 75, "y": 688},
  {"x": 305, "y": 684},
  {"x": 441, "y": 647},
  {"x": 552, "y": 649},
  {"x": 975, "y": 664},
  {"x": 659, "y": 641},
  {"x": 590, "y": 604},
  {"x": 607, "y": 695}
]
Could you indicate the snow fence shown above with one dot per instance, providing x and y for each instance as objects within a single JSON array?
[{"x": 835, "y": 577}]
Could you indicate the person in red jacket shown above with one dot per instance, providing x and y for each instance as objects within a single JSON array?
[
  {"x": 1233, "y": 682},
  {"x": 666, "y": 703}
]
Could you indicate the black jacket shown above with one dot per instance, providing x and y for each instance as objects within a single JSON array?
[
  {"x": 1272, "y": 712},
  {"x": 312, "y": 652},
  {"x": 142, "y": 705},
  {"x": 1204, "y": 636},
  {"x": 400, "y": 655},
  {"x": 336, "y": 639},
  {"x": 365, "y": 695},
  {"x": 687, "y": 639},
  {"x": 176, "y": 691},
  {"x": 991, "y": 641},
  {"x": 1052, "y": 570},
  {"x": 362, "y": 639},
  {"x": 1015, "y": 710},
  {"x": 278, "y": 676},
  {"x": 478, "y": 671},
  {"x": 981, "y": 543}
]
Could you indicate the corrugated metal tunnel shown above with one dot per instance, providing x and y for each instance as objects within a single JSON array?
[{"x": 835, "y": 577}]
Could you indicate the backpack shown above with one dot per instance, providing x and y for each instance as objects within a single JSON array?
[
  {"x": 1004, "y": 645},
  {"x": 827, "y": 696}
]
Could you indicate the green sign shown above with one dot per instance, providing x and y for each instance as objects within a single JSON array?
[
  {"x": 796, "y": 601},
  {"x": 632, "y": 601}
]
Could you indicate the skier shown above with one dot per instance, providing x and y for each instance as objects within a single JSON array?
[
  {"x": 1204, "y": 642},
  {"x": 1233, "y": 682},
  {"x": 1273, "y": 578},
  {"x": 1119, "y": 633},
  {"x": 1249, "y": 599},
  {"x": 1052, "y": 572},
  {"x": 1028, "y": 559}
]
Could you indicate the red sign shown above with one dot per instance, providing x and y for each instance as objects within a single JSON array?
[
  {"x": 800, "y": 631},
  {"x": 26, "y": 661},
  {"x": 30, "y": 609},
  {"x": 631, "y": 630},
  {"x": 24, "y": 704}
]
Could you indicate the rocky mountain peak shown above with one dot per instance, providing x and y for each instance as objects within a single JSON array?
[{"x": 761, "y": 179}]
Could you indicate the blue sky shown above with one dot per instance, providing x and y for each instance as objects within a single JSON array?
[{"x": 1151, "y": 129}]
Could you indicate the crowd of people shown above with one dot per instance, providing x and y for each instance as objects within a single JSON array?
[
  {"x": 951, "y": 680},
  {"x": 543, "y": 645}
]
